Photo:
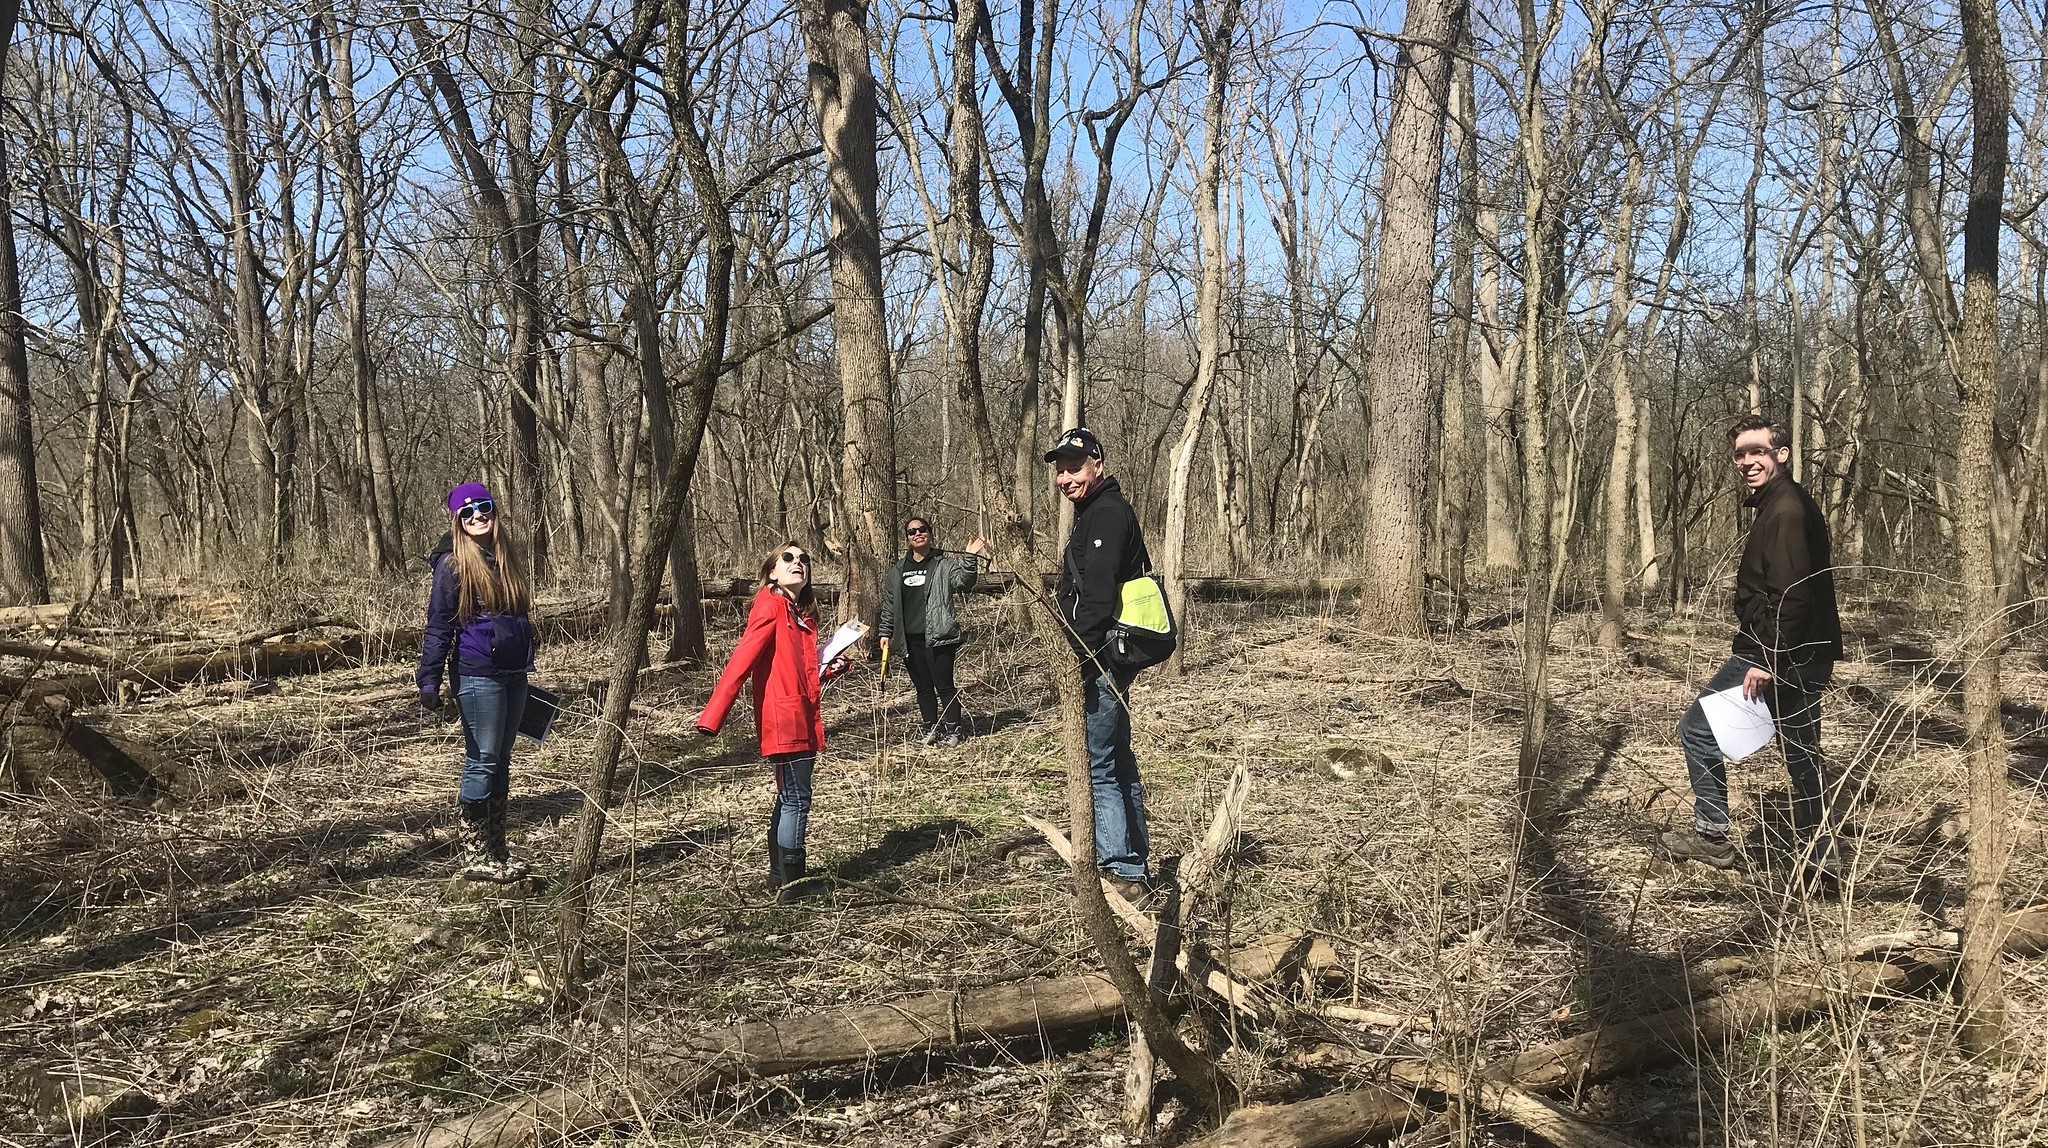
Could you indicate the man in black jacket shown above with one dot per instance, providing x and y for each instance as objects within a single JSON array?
[
  {"x": 1105, "y": 550},
  {"x": 1787, "y": 641}
]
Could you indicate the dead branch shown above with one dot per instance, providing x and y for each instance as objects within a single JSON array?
[{"x": 1609, "y": 1051}]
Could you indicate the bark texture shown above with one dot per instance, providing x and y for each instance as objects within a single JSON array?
[{"x": 1400, "y": 394}]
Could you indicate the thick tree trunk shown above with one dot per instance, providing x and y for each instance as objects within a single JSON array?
[
  {"x": 842, "y": 88},
  {"x": 1400, "y": 375},
  {"x": 1984, "y": 623},
  {"x": 24, "y": 576}
]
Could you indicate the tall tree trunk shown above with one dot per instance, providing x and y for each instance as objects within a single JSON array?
[
  {"x": 842, "y": 88},
  {"x": 1456, "y": 477},
  {"x": 24, "y": 576},
  {"x": 1499, "y": 367},
  {"x": 1620, "y": 481},
  {"x": 343, "y": 143},
  {"x": 1400, "y": 389},
  {"x": 1217, "y": 30},
  {"x": 1983, "y": 1022}
]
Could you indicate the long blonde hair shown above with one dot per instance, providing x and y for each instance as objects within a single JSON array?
[{"x": 503, "y": 591}]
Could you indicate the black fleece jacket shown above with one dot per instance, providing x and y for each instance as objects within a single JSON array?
[
  {"x": 1105, "y": 550},
  {"x": 1785, "y": 586}
]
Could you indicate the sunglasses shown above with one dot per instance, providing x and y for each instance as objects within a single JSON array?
[
  {"x": 794, "y": 558},
  {"x": 914, "y": 531},
  {"x": 471, "y": 510}
]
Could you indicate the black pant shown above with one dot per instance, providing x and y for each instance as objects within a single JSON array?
[{"x": 931, "y": 671}]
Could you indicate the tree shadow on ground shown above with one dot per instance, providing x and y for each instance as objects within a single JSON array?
[
  {"x": 902, "y": 845},
  {"x": 1619, "y": 979},
  {"x": 669, "y": 849},
  {"x": 320, "y": 852}
]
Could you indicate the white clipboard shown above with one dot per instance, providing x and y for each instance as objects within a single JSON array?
[{"x": 846, "y": 635}]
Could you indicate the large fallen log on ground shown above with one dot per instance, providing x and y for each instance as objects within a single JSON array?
[
  {"x": 852, "y": 1035},
  {"x": 261, "y": 660},
  {"x": 1608, "y": 1051},
  {"x": 855, "y": 1034}
]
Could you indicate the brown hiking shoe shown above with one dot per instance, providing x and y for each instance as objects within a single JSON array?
[{"x": 1689, "y": 844}]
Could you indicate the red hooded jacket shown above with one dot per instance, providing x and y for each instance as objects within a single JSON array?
[{"x": 779, "y": 653}]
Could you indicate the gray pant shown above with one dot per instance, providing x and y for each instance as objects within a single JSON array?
[{"x": 1794, "y": 700}]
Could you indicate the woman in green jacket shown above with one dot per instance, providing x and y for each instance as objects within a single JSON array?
[{"x": 917, "y": 613}]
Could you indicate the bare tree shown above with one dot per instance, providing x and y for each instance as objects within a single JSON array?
[
  {"x": 24, "y": 576},
  {"x": 1400, "y": 396},
  {"x": 1984, "y": 622},
  {"x": 1217, "y": 27},
  {"x": 842, "y": 86}
]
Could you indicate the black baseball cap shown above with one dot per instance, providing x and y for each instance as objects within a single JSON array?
[{"x": 1077, "y": 443}]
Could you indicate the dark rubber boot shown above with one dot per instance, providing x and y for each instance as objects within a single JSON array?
[
  {"x": 777, "y": 866},
  {"x": 792, "y": 876}
]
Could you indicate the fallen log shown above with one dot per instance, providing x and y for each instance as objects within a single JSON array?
[
  {"x": 12, "y": 616},
  {"x": 1608, "y": 1051},
  {"x": 58, "y": 650},
  {"x": 265, "y": 660},
  {"x": 853, "y": 1035}
]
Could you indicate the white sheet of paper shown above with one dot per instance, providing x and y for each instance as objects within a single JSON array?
[
  {"x": 846, "y": 635},
  {"x": 1741, "y": 726}
]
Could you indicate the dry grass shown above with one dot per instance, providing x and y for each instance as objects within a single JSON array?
[{"x": 274, "y": 952}]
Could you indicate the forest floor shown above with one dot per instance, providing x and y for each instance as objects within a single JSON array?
[{"x": 273, "y": 952}]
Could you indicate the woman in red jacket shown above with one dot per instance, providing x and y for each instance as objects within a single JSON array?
[{"x": 778, "y": 653}]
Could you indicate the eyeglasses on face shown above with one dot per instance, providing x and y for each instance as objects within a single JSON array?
[
  {"x": 913, "y": 531},
  {"x": 1748, "y": 452},
  {"x": 795, "y": 558},
  {"x": 484, "y": 508}
]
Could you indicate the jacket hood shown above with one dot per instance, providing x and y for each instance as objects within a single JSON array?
[{"x": 442, "y": 549}]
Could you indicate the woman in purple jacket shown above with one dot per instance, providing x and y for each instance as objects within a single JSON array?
[{"x": 478, "y": 612}]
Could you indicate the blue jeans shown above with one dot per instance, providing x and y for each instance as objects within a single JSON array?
[
  {"x": 491, "y": 706},
  {"x": 791, "y": 813},
  {"x": 1794, "y": 700},
  {"x": 1121, "y": 844}
]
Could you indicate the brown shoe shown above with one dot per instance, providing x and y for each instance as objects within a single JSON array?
[
  {"x": 1689, "y": 844},
  {"x": 1136, "y": 892}
]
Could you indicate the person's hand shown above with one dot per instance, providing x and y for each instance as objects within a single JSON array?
[
  {"x": 1753, "y": 683},
  {"x": 885, "y": 645},
  {"x": 430, "y": 701},
  {"x": 836, "y": 667},
  {"x": 978, "y": 546}
]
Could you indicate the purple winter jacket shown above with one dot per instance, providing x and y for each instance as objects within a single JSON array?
[{"x": 486, "y": 645}]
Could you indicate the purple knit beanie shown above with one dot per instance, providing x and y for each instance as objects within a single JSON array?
[{"x": 467, "y": 493}]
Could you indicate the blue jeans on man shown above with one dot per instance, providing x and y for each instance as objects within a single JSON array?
[
  {"x": 491, "y": 706},
  {"x": 1794, "y": 701},
  {"x": 1121, "y": 844}
]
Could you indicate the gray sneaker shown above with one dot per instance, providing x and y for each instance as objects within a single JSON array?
[
  {"x": 949, "y": 736},
  {"x": 931, "y": 735},
  {"x": 1688, "y": 844}
]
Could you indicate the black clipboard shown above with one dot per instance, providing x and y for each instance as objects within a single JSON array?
[{"x": 542, "y": 704}]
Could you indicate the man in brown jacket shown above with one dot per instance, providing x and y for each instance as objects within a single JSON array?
[{"x": 1787, "y": 640}]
